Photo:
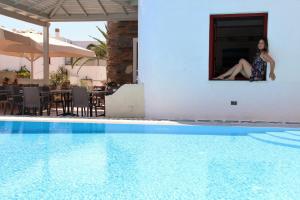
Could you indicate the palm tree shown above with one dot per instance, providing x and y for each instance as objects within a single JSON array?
[{"x": 100, "y": 49}]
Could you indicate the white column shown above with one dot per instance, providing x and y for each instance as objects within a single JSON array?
[
  {"x": 135, "y": 61},
  {"x": 46, "y": 53}
]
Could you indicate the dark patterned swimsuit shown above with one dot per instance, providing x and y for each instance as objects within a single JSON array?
[{"x": 259, "y": 67}]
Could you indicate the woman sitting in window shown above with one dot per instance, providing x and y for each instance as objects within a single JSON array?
[{"x": 257, "y": 70}]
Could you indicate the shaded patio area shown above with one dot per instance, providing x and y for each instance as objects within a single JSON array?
[
  {"x": 62, "y": 101},
  {"x": 44, "y": 12}
]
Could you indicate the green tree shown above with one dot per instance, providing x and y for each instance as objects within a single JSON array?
[{"x": 100, "y": 49}]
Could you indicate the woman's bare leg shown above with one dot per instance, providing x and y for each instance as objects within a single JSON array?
[
  {"x": 244, "y": 74},
  {"x": 228, "y": 73},
  {"x": 237, "y": 70},
  {"x": 244, "y": 68}
]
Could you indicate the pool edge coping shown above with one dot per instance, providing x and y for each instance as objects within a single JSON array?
[{"x": 151, "y": 122}]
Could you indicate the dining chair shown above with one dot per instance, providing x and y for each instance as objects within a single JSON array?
[
  {"x": 98, "y": 102},
  {"x": 14, "y": 97},
  {"x": 58, "y": 99},
  {"x": 3, "y": 99},
  {"x": 46, "y": 98},
  {"x": 81, "y": 99},
  {"x": 32, "y": 99}
]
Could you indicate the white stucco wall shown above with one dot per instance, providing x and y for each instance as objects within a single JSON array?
[
  {"x": 96, "y": 73},
  {"x": 126, "y": 102},
  {"x": 14, "y": 63},
  {"x": 173, "y": 62}
]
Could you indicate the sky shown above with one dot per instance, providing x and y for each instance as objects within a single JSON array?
[{"x": 76, "y": 31}]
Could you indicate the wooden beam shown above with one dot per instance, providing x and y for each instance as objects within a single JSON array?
[
  {"x": 103, "y": 8},
  {"x": 134, "y": 2},
  {"x": 6, "y": 4},
  {"x": 82, "y": 8},
  {"x": 37, "y": 4},
  {"x": 41, "y": 17},
  {"x": 122, "y": 2},
  {"x": 25, "y": 18},
  {"x": 55, "y": 9},
  {"x": 65, "y": 10},
  {"x": 95, "y": 17},
  {"x": 17, "y": 2},
  {"x": 126, "y": 4},
  {"x": 49, "y": 8},
  {"x": 125, "y": 10}
]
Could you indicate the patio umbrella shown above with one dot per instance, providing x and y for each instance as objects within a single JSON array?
[
  {"x": 59, "y": 48},
  {"x": 15, "y": 44},
  {"x": 8, "y": 38},
  {"x": 30, "y": 46}
]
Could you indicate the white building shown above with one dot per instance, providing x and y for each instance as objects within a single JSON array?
[
  {"x": 174, "y": 46},
  {"x": 184, "y": 44}
]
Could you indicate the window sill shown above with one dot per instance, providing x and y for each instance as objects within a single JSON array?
[{"x": 237, "y": 80}]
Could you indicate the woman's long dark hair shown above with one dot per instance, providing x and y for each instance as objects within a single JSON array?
[{"x": 266, "y": 49}]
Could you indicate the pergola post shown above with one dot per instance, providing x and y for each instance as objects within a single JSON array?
[{"x": 46, "y": 53}]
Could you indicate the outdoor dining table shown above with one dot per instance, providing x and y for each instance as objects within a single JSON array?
[
  {"x": 66, "y": 96},
  {"x": 4, "y": 91},
  {"x": 64, "y": 93},
  {"x": 96, "y": 93},
  {"x": 11, "y": 98}
]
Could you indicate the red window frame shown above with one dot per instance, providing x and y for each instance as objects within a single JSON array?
[{"x": 212, "y": 34}]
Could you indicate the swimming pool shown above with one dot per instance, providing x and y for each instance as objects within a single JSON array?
[{"x": 43, "y": 160}]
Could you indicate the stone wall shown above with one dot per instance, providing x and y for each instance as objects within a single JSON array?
[{"x": 120, "y": 51}]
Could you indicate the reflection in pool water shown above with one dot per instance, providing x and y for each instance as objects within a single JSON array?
[{"x": 105, "y": 161}]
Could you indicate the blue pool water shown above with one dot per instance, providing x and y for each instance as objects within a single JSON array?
[{"x": 146, "y": 162}]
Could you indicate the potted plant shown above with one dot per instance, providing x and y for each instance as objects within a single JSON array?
[
  {"x": 23, "y": 72},
  {"x": 57, "y": 79}
]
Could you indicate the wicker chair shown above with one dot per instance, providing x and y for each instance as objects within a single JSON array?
[
  {"x": 3, "y": 99},
  {"x": 98, "y": 102},
  {"x": 81, "y": 99},
  {"x": 14, "y": 97},
  {"x": 46, "y": 98},
  {"x": 33, "y": 100}
]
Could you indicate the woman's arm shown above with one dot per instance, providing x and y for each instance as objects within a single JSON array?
[{"x": 270, "y": 60}]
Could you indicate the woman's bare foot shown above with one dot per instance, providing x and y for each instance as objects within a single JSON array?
[{"x": 219, "y": 78}]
